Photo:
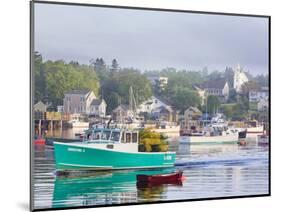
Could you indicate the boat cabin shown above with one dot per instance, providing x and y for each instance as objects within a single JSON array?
[{"x": 105, "y": 135}]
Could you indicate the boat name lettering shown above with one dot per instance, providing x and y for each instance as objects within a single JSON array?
[
  {"x": 71, "y": 149},
  {"x": 168, "y": 157}
]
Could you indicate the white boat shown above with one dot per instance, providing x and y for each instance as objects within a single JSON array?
[
  {"x": 168, "y": 128},
  {"x": 78, "y": 124},
  {"x": 262, "y": 139},
  {"x": 252, "y": 132},
  {"x": 214, "y": 134},
  {"x": 255, "y": 131}
]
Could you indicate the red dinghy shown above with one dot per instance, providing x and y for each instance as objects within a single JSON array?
[
  {"x": 39, "y": 141},
  {"x": 161, "y": 178}
]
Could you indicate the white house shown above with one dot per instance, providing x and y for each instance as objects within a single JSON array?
[
  {"x": 151, "y": 104},
  {"x": 256, "y": 96},
  {"x": 258, "y": 99},
  {"x": 239, "y": 78},
  {"x": 40, "y": 106},
  {"x": 158, "y": 80},
  {"x": 98, "y": 107},
  {"x": 201, "y": 93},
  {"x": 217, "y": 87},
  {"x": 60, "y": 108},
  {"x": 191, "y": 117},
  {"x": 78, "y": 101},
  {"x": 262, "y": 105}
]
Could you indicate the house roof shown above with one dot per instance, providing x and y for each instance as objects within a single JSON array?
[
  {"x": 165, "y": 108},
  {"x": 194, "y": 109},
  {"x": 40, "y": 103},
  {"x": 164, "y": 101},
  {"x": 217, "y": 84},
  {"x": 96, "y": 101},
  {"x": 40, "y": 106},
  {"x": 78, "y": 91},
  {"x": 122, "y": 107}
]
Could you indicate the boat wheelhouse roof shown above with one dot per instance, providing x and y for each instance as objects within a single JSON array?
[
  {"x": 109, "y": 129},
  {"x": 104, "y": 135}
]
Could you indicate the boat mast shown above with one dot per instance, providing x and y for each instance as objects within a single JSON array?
[
  {"x": 132, "y": 102},
  {"x": 120, "y": 112},
  {"x": 206, "y": 109}
]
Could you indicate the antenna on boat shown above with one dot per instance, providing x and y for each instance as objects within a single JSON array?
[{"x": 108, "y": 123}]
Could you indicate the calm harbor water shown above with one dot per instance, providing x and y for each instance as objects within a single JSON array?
[{"x": 209, "y": 170}]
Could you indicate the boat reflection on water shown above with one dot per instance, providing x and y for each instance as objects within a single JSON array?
[
  {"x": 110, "y": 187},
  {"x": 148, "y": 191}
]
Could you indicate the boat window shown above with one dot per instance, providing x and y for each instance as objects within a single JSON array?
[
  {"x": 97, "y": 135},
  {"x": 123, "y": 137},
  {"x": 128, "y": 137},
  {"x": 115, "y": 136},
  {"x": 106, "y": 135},
  {"x": 134, "y": 137}
]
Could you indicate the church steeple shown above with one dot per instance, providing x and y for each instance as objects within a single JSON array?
[{"x": 239, "y": 78}]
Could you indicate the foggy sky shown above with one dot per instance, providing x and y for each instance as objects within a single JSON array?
[{"x": 151, "y": 39}]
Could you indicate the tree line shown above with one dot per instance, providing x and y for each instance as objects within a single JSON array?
[{"x": 112, "y": 83}]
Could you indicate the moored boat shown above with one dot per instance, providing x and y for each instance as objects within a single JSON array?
[
  {"x": 242, "y": 134},
  {"x": 108, "y": 149},
  {"x": 167, "y": 130},
  {"x": 262, "y": 140},
  {"x": 40, "y": 141},
  {"x": 78, "y": 124},
  {"x": 255, "y": 131},
  {"x": 161, "y": 178},
  {"x": 212, "y": 134}
]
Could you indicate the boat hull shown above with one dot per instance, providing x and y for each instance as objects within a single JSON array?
[
  {"x": 40, "y": 141},
  {"x": 81, "y": 157},
  {"x": 174, "y": 129},
  {"x": 80, "y": 125},
  {"x": 166, "y": 178},
  {"x": 209, "y": 139},
  {"x": 255, "y": 131}
]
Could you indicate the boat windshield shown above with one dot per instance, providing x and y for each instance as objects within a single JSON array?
[
  {"x": 105, "y": 135},
  {"x": 115, "y": 136},
  {"x": 97, "y": 135}
]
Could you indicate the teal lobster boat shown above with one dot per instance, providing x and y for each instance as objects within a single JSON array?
[{"x": 109, "y": 149}]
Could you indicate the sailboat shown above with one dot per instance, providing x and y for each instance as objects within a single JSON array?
[{"x": 132, "y": 120}]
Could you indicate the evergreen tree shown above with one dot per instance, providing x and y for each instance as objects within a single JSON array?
[{"x": 114, "y": 65}]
